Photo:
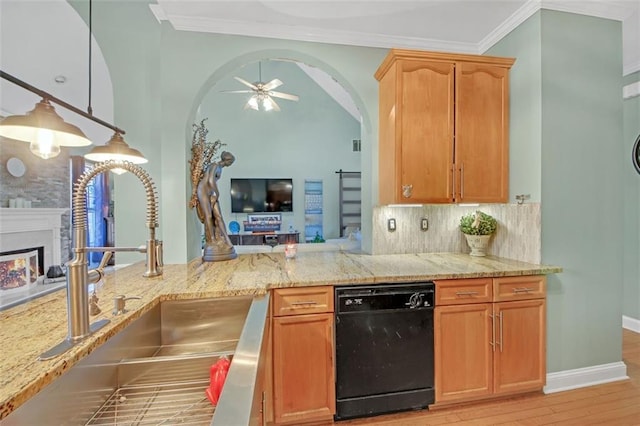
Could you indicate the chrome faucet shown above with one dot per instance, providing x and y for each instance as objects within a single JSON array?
[{"x": 79, "y": 276}]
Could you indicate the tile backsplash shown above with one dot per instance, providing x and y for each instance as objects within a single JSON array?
[{"x": 518, "y": 235}]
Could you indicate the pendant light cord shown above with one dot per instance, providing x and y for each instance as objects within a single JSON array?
[{"x": 89, "y": 109}]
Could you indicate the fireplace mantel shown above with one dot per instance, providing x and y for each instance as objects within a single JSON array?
[{"x": 16, "y": 221}]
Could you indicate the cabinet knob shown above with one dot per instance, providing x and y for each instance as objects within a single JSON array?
[{"x": 407, "y": 190}]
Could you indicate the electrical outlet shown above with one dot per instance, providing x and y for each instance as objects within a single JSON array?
[
  {"x": 424, "y": 224},
  {"x": 391, "y": 225}
]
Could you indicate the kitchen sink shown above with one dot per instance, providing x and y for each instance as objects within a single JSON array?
[{"x": 154, "y": 372}]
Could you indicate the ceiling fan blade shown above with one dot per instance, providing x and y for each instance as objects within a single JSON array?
[
  {"x": 236, "y": 91},
  {"x": 246, "y": 83},
  {"x": 272, "y": 84},
  {"x": 284, "y": 96},
  {"x": 275, "y": 105}
]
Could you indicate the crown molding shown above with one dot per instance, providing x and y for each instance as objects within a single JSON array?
[
  {"x": 600, "y": 9},
  {"x": 317, "y": 35},
  {"x": 630, "y": 68},
  {"x": 610, "y": 9},
  {"x": 508, "y": 25},
  {"x": 631, "y": 90}
]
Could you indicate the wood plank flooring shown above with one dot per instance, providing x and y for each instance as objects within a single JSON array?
[{"x": 615, "y": 404}]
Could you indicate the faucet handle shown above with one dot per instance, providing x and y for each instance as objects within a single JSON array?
[
  {"x": 106, "y": 257},
  {"x": 119, "y": 303},
  {"x": 96, "y": 275}
]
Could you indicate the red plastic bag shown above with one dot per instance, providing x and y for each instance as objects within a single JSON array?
[{"x": 217, "y": 374}]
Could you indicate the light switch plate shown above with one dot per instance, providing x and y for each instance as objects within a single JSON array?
[
  {"x": 391, "y": 225},
  {"x": 424, "y": 224}
]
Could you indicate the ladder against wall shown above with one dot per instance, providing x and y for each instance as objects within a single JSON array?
[{"x": 350, "y": 201}]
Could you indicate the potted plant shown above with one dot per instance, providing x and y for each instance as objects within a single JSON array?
[{"x": 478, "y": 227}]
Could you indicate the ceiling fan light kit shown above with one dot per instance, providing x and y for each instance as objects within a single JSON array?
[{"x": 263, "y": 93}]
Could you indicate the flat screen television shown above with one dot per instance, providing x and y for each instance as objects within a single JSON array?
[{"x": 253, "y": 195}]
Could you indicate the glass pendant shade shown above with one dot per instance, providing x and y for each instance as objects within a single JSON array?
[
  {"x": 44, "y": 129},
  {"x": 252, "y": 103},
  {"x": 117, "y": 150}
]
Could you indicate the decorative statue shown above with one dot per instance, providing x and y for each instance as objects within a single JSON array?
[{"x": 205, "y": 196}]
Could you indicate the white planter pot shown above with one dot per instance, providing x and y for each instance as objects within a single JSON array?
[{"x": 478, "y": 244}]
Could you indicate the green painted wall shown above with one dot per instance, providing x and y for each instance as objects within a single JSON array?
[
  {"x": 581, "y": 160},
  {"x": 525, "y": 117},
  {"x": 582, "y": 200}
]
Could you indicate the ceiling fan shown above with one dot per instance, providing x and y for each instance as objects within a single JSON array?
[{"x": 263, "y": 93}]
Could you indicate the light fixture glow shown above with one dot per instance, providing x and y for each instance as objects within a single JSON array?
[
  {"x": 253, "y": 103},
  {"x": 116, "y": 149},
  {"x": 44, "y": 145},
  {"x": 43, "y": 127},
  {"x": 267, "y": 104}
]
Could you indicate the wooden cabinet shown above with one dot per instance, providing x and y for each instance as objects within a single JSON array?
[
  {"x": 303, "y": 366},
  {"x": 484, "y": 349},
  {"x": 443, "y": 128}
]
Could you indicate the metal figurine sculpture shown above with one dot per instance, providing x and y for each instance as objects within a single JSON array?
[{"x": 205, "y": 196}]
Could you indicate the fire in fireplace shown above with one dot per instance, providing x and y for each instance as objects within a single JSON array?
[{"x": 21, "y": 268}]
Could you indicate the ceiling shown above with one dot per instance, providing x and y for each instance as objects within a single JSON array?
[{"x": 467, "y": 26}]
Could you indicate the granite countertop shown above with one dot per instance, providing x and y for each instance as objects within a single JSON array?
[{"x": 30, "y": 329}]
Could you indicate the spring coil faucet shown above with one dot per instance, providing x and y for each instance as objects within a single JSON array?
[{"x": 79, "y": 276}]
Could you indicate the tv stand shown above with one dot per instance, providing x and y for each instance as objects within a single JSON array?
[{"x": 262, "y": 238}]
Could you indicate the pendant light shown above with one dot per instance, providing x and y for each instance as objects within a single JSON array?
[
  {"x": 116, "y": 148},
  {"x": 43, "y": 128},
  {"x": 46, "y": 131}
]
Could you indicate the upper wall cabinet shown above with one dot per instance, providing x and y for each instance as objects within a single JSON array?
[{"x": 444, "y": 128}]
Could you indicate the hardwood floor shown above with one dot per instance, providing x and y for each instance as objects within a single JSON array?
[{"x": 615, "y": 404}]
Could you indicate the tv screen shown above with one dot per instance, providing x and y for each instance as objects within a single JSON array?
[{"x": 261, "y": 195}]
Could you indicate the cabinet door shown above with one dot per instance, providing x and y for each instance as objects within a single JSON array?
[
  {"x": 519, "y": 358},
  {"x": 463, "y": 336},
  {"x": 424, "y": 109},
  {"x": 304, "y": 385},
  {"x": 482, "y": 133}
]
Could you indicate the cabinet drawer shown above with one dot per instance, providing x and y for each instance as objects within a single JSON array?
[
  {"x": 297, "y": 301},
  {"x": 519, "y": 288},
  {"x": 456, "y": 292}
]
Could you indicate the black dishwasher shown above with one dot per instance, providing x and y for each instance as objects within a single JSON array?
[{"x": 384, "y": 348}]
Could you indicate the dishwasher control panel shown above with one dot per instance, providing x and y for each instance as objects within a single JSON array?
[{"x": 384, "y": 297}]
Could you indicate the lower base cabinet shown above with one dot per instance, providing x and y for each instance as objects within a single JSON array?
[
  {"x": 489, "y": 343},
  {"x": 303, "y": 366}
]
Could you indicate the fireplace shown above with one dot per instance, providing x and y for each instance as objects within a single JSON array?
[
  {"x": 30, "y": 243},
  {"x": 21, "y": 269}
]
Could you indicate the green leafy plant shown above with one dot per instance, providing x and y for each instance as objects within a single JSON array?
[{"x": 478, "y": 223}]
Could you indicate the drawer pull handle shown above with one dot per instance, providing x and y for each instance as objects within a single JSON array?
[
  {"x": 522, "y": 290},
  {"x": 310, "y": 302},
  {"x": 466, "y": 293}
]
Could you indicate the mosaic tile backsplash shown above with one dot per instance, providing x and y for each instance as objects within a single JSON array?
[{"x": 518, "y": 235}]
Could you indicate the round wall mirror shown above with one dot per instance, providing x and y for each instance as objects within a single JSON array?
[
  {"x": 635, "y": 154},
  {"x": 16, "y": 167}
]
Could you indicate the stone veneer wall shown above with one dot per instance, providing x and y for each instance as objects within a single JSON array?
[
  {"x": 46, "y": 183},
  {"x": 518, "y": 235}
]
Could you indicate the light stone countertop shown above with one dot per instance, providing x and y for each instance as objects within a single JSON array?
[{"x": 30, "y": 329}]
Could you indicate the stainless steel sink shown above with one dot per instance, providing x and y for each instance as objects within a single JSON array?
[{"x": 153, "y": 372}]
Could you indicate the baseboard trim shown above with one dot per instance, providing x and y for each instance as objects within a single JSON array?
[
  {"x": 631, "y": 323},
  {"x": 583, "y": 377}
]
